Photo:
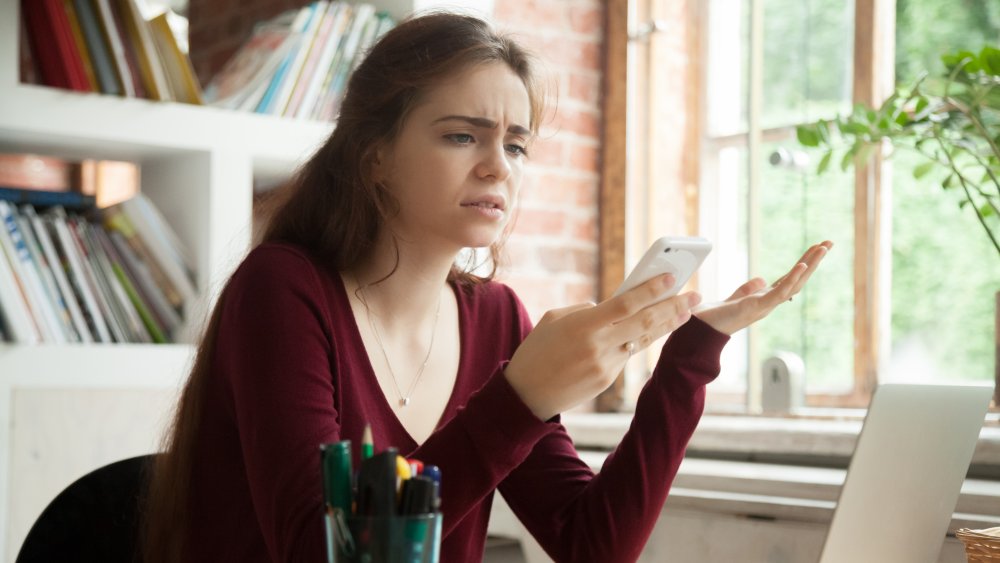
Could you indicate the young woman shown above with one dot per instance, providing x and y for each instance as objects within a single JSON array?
[{"x": 353, "y": 311}]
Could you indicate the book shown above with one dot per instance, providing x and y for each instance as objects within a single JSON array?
[
  {"x": 130, "y": 49},
  {"x": 40, "y": 198},
  {"x": 162, "y": 243},
  {"x": 340, "y": 16},
  {"x": 81, "y": 45},
  {"x": 107, "y": 181},
  {"x": 120, "y": 304},
  {"x": 35, "y": 172},
  {"x": 52, "y": 45},
  {"x": 95, "y": 283},
  {"x": 140, "y": 36},
  {"x": 25, "y": 271},
  {"x": 115, "y": 220},
  {"x": 44, "y": 238},
  {"x": 27, "y": 74},
  {"x": 180, "y": 74},
  {"x": 294, "y": 77},
  {"x": 72, "y": 261},
  {"x": 341, "y": 68},
  {"x": 44, "y": 267},
  {"x": 116, "y": 48},
  {"x": 245, "y": 76},
  {"x": 16, "y": 315},
  {"x": 98, "y": 48},
  {"x": 165, "y": 315},
  {"x": 150, "y": 326},
  {"x": 299, "y": 24},
  {"x": 310, "y": 65}
]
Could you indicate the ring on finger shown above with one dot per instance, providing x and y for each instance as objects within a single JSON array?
[{"x": 629, "y": 347}]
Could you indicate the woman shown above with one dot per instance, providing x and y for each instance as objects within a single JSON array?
[{"x": 353, "y": 311}]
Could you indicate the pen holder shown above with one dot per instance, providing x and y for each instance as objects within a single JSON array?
[{"x": 384, "y": 539}]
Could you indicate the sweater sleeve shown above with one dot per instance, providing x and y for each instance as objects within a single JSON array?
[
  {"x": 273, "y": 357},
  {"x": 577, "y": 516}
]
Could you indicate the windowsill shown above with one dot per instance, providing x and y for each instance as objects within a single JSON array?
[
  {"x": 810, "y": 441},
  {"x": 779, "y": 468}
]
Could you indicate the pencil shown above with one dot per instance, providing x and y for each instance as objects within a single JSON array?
[{"x": 367, "y": 444}]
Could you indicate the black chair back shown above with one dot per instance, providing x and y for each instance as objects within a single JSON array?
[{"x": 96, "y": 518}]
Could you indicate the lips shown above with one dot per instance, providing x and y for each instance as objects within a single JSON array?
[{"x": 487, "y": 202}]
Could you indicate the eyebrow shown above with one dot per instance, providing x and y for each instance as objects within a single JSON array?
[{"x": 485, "y": 123}]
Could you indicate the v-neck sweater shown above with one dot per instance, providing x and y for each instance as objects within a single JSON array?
[{"x": 290, "y": 372}]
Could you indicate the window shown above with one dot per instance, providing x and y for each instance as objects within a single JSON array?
[{"x": 908, "y": 291}]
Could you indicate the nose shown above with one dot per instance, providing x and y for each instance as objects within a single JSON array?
[{"x": 493, "y": 164}]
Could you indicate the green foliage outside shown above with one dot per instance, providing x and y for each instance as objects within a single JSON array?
[{"x": 944, "y": 128}]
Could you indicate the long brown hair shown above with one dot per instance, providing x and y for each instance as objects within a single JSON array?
[{"x": 333, "y": 208}]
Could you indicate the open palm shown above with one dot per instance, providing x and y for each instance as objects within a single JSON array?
[{"x": 755, "y": 300}]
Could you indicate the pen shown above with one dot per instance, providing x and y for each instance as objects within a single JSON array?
[
  {"x": 367, "y": 443},
  {"x": 335, "y": 463}
]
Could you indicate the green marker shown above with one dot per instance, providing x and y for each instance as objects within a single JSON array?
[
  {"x": 335, "y": 460},
  {"x": 367, "y": 443}
]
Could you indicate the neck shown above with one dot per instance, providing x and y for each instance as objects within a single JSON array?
[{"x": 414, "y": 285}]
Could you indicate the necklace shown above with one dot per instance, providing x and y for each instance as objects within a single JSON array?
[{"x": 404, "y": 400}]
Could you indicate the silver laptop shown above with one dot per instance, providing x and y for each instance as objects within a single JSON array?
[{"x": 906, "y": 473}]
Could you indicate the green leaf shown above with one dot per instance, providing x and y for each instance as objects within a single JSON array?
[
  {"x": 823, "y": 128},
  {"x": 903, "y": 119},
  {"x": 985, "y": 210},
  {"x": 807, "y": 136},
  {"x": 854, "y": 128},
  {"x": 922, "y": 169},
  {"x": 989, "y": 58},
  {"x": 847, "y": 160},
  {"x": 948, "y": 181},
  {"x": 824, "y": 162},
  {"x": 883, "y": 124}
]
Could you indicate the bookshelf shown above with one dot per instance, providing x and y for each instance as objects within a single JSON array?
[{"x": 65, "y": 410}]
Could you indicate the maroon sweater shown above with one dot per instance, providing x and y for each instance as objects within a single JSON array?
[{"x": 291, "y": 372}]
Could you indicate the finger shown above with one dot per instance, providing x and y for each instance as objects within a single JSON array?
[
  {"x": 556, "y": 314},
  {"x": 808, "y": 257},
  {"x": 812, "y": 262},
  {"x": 653, "y": 322},
  {"x": 748, "y": 288},
  {"x": 626, "y": 305}
]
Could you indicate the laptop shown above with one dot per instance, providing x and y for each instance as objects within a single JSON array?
[{"x": 906, "y": 473}]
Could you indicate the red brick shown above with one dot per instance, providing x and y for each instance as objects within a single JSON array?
[
  {"x": 585, "y": 87},
  {"x": 541, "y": 222},
  {"x": 584, "y": 158},
  {"x": 561, "y": 188},
  {"x": 587, "y": 20},
  {"x": 568, "y": 53},
  {"x": 533, "y": 15},
  {"x": 547, "y": 151},
  {"x": 579, "y": 121},
  {"x": 585, "y": 229}
]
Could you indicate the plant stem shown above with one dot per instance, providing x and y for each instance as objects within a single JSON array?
[{"x": 968, "y": 194}]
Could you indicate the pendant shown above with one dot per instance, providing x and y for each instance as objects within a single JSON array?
[{"x": 404, "y": 401}]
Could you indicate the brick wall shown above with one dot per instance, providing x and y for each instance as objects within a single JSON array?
[{"x": 552, "y": 252}]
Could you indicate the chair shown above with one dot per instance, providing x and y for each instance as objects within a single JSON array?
[{"x": 93, "y": 519}]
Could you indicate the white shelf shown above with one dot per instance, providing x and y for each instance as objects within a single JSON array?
[{"x": 102, "y": 366}]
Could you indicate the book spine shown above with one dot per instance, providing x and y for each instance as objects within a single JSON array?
[
  {"x": 163, "y": 312},
  {"x": 151, "y": 326},
  {"x": 340, "y": 13},
  {"x": 116, "y": 47},
  {"x": 96, "y": 283},
  {"x": 268, "y": 101},
  {"x": 77, "y": 275},
  {"x": 81, "y": 45},
  {"x": 149, "y": 60},
  {"x": 24, "y": 270},
  {"x": 100, "y": 53},
  {"x": 18, "y": 320},
  {"x": 121, "y": 305},
  {"x": 160, "y": 248},
  {"x": 49, "y": 285},
  {"x": 38, "y": 198},
  {"x": 116, "y": 220},
  {"x": 35, "y": 172},
  {"x": 58, "y": 272}
]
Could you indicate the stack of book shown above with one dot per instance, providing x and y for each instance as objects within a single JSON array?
[
  {"x": 73, "y": 272},
  {"x": 104, "y": 46},
  {"x": 297, "y": 64}
]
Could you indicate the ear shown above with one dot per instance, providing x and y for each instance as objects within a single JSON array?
[{"x": 379, "y": 169}]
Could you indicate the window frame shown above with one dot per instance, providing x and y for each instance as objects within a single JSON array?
[{"x": 635, "y": 22}]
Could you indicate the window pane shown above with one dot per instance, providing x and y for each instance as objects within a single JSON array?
[
  {"x": 798, "y": 209},
  {"x": 727, "y": 71},
  {"x": 945, "y": 272},
  {"x": 808, "y": 50}
]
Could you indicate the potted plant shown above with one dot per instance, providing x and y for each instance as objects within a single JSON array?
[{"x": 952, "y": 119}]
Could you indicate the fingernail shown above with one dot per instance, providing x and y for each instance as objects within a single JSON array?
[
  {"x": 668, "y": 280},
  {"x": 694, "y": 298}
]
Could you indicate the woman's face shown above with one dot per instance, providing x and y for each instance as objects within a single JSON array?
[{"x": 457, "y": 164}]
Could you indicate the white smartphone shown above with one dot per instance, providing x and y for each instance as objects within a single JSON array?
[{"x": 680, "y": 256}]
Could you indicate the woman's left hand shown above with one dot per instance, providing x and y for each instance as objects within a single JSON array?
[{"x": 754, "y": 300}]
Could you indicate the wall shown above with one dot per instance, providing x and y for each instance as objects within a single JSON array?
[{"x": 552, "y": 252}]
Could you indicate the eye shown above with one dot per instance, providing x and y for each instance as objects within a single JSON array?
[
  {"x": 460, "y": 138},
  {"x": 516, "y": 150}
]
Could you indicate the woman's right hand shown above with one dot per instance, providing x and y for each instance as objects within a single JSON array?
[{"x": 576, "y": 352}]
